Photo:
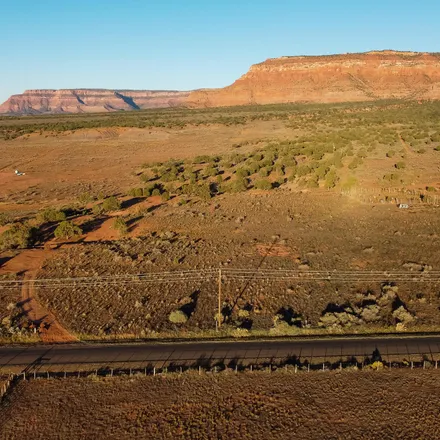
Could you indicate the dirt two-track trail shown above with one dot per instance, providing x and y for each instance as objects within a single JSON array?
[{"x": 50, "y": 330}]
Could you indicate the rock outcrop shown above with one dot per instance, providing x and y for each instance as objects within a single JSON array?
[
  {"x": 335, "y": 78},
  {"x": 90, "y": 100}
]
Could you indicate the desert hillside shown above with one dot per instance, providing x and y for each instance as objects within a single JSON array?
[
  {"x": 336, "y": 78},
  {"x": 89, "y": 101},
  {"x": 322, "y": 79}
]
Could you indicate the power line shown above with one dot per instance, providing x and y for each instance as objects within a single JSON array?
[{"x": 227, "y": 274}]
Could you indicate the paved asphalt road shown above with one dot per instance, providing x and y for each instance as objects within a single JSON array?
[{"x": 87, "y": 356}]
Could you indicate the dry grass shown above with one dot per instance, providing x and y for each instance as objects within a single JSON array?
[
  {"x": 388, "y": 405},
  {"x": 323, "y": 231}
]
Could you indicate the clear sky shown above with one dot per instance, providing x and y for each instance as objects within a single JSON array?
[{"x": 187, "y": 44}]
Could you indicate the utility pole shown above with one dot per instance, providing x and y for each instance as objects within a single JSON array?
[{"x": 219, "y": 315}]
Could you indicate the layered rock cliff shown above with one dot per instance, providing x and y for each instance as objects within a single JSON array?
[
  {"x": 335, "y": 78},
  {"x": 89, "y": 100}
]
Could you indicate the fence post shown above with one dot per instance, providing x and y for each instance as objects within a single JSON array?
[{"x": 219, "y": 319}]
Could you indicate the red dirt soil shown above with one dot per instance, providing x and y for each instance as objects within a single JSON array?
[{"x": 31, "y": 261}]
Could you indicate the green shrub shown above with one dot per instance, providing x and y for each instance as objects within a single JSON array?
[
  {"x": 362, "y": 153},
  {"x": 349, "y": 183},
  {"x": 331, "y": 179},
  {"x": 19, "y": 235},
  {"x": 178, "y": 317},
  {"x": 50, "y": 215},
  {"x": 120, "y": 225},
  {"x": 391, "y": 177},
  {"x": 355, "y": 163},
  {"x": 264, "y": 172},
  {"x": 203, "y": 191},
  {"x": 313, "y": 182},
  {"x": 242, "y": 172},
  {"x": 391, "y": 153},
  {"x": 263, "y": 184},
  {"x": 5, "y": 219},
  {"x": 98, "y": 209},
  {"x": 85, "y": 198},
  {"x": 303, "y": 170},
  {"x": 400, "y": 165},
  {"x": 421, "y": 151},
  {"x": 254, "y": 167},
  {"x": 211, "y": 171},
  {"x": 239, "y": 185},
  {"x": 165, "y": 196},
  {"x": 201, "y": 159},
  {"x": 66, "y": 230},
  {"x": 111, "y": 204}
]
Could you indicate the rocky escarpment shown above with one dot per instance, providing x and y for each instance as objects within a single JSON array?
[
  {"x": 89, "y": 100},
  {"x": 335, "y": 78}
]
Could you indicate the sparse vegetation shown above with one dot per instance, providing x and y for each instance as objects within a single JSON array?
[
  {"x": 111, "y": 204},
  {"x": 67, "y": 230},
  {"x": 120, "y": 225},
  {"x": 19, "y": 235},
  {"x": 50, "y": 215}
]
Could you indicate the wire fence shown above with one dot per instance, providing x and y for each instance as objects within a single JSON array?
[{"x": 225, "y": 274}]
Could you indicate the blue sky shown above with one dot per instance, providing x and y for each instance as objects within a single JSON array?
[{"x": 187, "y": 44}]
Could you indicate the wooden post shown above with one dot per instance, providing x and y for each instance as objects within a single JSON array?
[{"x": 219, "y": 316}]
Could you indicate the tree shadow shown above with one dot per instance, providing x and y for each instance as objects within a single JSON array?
[
  {"x": 288, "y": 315},
  {"x": 336, "y": 308},
  {"x": 132, "y": 222},
  {"x": 191, "y": 306},
  {"x": 4, "y": 260},
  {"x": 131, "y": 202},
  {"x": 249, "y": 281},
  {"x": 93, "y": 224}
]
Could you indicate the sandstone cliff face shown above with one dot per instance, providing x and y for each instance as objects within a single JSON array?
[
  {"x": 89, "y": 100},
  {"x": 336, "y": 78}
]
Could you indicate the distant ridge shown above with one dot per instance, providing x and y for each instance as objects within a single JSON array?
[
  {"x": 90, "y": 100},
  {"x": 374, "y": 75}
]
